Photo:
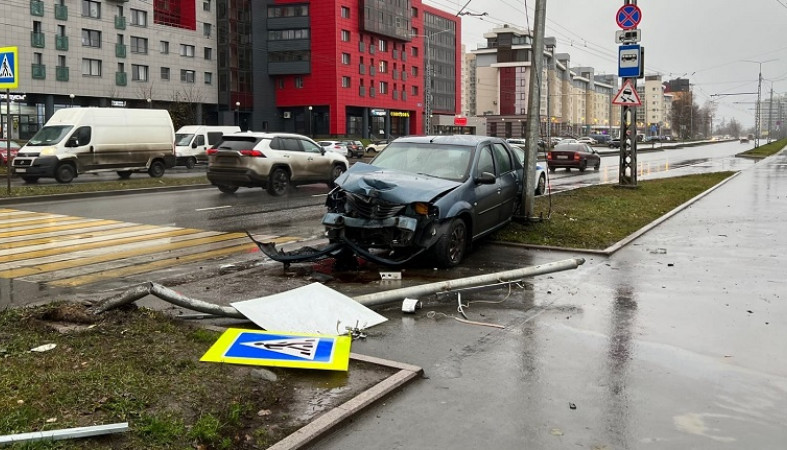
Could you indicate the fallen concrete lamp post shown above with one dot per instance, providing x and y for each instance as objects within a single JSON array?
[
  {"x": 368, "y": 300},
  {"x": 69, "y": 433}
]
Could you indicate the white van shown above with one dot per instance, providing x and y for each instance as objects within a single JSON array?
[
  {"x": 88, "y": 140},
  {"x": 191, "y": 142}
]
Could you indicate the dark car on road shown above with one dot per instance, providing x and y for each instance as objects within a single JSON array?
[
  {"x": 354, "y": 148},
  {"x": 573, "y": 156},
  {"x": 614, "y": 143},
  {"x": 427, "y": 193}
]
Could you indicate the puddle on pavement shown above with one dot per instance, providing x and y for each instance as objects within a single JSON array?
[{"x": 18, "y": 293}]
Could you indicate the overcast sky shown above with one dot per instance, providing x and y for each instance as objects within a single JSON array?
[{"x": 707, "y": 41}]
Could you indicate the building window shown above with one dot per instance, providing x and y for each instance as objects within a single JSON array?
[
  {"x": 139, "y": 18},
  {"x": 208, "y": 78},
  {"x": 61, "y": 60},
  {"x": 345, "y": 58},
  {"x": 206, "y": 5},
  {"x": 345, "y": 36},
  {"x": 345, "y": 82},
  {"x": 288, "y": 35},
  {"x": 139, "y": 73},
  {"x": 345, "y": 12},
  {"x": 414, "y": 91},
  {"x": 208, "y": 54},
  {"x": 91, "y": 67},
  {"x": 206, "y": 29},
  {"x": 383, "y": 87},
  {"x": 91, "y": 8},
  {"x": 187, "y": 76},
  {"x": 299, "y": 82},
  {"x": 139, "y": 45},
  {"x": 163, "y": 47},
  {"x": 382, "y": 46},
  {"x": 414, "y": 51},
  {"x": 288, "y": 11},
  {"x": 280, "y": 83},
  {"x": 414, "y": 71},
  {"x": 414, "y": 11},
  {"x": 383, "y": 67},
  {"x": 91, "y": 38},
  {"x": 165, "y": 73},
  {"x": 187, "y": 50}
]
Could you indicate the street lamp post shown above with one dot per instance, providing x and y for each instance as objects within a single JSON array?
[
  {"x": 150, "y": 103},
  {"x": 311, "y": 123},
  {"x": 237, "y": 113},
  {"x": 72, "y": 100}
]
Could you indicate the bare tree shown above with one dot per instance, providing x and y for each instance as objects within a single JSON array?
[{"x": 183, "y": 107}]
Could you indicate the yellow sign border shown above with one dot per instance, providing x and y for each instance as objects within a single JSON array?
[
  {"x": 340, "y": 360},
  {"x": 15, "y": 51}
]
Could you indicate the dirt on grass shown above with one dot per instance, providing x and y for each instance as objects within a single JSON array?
[{"x": 64, "y": 367}]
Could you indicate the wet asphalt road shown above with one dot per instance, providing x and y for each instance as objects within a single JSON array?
[{"x": 677, "y": 341}]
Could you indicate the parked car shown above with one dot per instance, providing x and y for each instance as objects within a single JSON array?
[
  {"x": 377, "y": 146},
  {"x": 336, "y": 147},
  {"x": 540, "y": 174},
  {"x": 587, "y": 140},
  {"x": 573, "y": 156},
  {"x": 15, "y": 146},
  {"x": 614, "y": 143},
  {"x": 427, "y": 193},
  {"x": 523, "y": 142},
  {"x": 355, "y": 148},
  {"x": 273, "y": 161}
]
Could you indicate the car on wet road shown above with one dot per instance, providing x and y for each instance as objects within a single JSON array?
[
  {"x": 435, "y": 194},
  {"x": 573, "y": 156}
]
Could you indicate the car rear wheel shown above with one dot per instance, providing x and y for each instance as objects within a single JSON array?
[
  {"x": 598, "y": 165},
  {"x": 65, "y": 173},
  {"x": 124, "y": 174},
  {"x": 227, "y": 189},
  {"x": 191, "y": 162},
  {"x": 541, "y": 185},
  {"x": 336, "y": 171},
  {"x": 156, "y": 169},
  {"x": 451, "y": 247},
  {"x": 583, "y": 166},
  {"x": 278, "y": 182}
]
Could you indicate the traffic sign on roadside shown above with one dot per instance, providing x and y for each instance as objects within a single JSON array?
[
  {"x": 9, "y": 68},
  {"x": 628, "y": 36},
  {"x": 627, "y": 95},
  {"x": 629, "y": 61},
  {"x": 295, "y": 350},
  {"x": 628, "y": 16}
]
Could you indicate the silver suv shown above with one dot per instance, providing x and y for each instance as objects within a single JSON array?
[{"x": 272, "y": 161}]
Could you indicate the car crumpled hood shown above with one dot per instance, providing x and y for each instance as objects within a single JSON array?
[{"x": 392, "y": 185}]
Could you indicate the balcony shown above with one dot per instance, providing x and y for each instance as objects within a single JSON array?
[
  {"x": 61, "y": 73},
  {"x": 121, "y": 78},
  {"x": 37, "y": 40},
  {"x": 120, "y": 50},
  {"x": 120, "y": 22},
  {"x": 39, "y": 71},
  {"x": 61, "y": 42},
  {"x": 36, "y": 8},
  {"x": 61, "y": 12}
]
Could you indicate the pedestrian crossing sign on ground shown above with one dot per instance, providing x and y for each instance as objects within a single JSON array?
[
  {"x": 9, "y": 68},
  {"x": 295, "y": 350}
]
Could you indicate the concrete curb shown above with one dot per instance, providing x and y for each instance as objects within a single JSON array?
[{"x": 330, "y": 420}]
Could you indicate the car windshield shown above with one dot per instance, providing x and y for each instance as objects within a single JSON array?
[
  {"x": 183, "y": 138},
  {"x": 438, "y": 160},
  {"x": 50, "y": 135}
]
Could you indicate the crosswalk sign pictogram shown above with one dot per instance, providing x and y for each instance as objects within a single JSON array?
[
  {"x": 295, "y": 350},
  {"x": 628, "y": 95},
  {"x": 9, "y": 68}
]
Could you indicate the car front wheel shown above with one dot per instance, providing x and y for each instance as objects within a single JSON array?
[
  {"x": 336, "y": 171},
  {"x": 227, "y": 189},
  {"x": 451, "y": 247},
  {"x": 541, "y": 186}
]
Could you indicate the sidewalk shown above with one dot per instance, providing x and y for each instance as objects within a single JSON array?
[{"x": 675, "y": 341}]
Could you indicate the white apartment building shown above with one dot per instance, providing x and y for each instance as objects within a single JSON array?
[{"x": 124, "y": 53}]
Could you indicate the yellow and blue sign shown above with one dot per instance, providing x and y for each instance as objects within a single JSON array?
[
  {"x": 9, "y": 68},
  {"x": 294, "y": 350}
]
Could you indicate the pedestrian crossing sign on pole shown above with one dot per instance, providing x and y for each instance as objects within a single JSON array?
[
  {"x": 294, "y": 350},
  {"x": 9, "y": 68}
]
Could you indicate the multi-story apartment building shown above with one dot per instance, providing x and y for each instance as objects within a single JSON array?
[{"x": 132, "y": 53}]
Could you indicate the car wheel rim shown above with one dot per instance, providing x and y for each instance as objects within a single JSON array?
[
  {"x": 279, "y": 181},
  {"x": 457, "y": 243}
]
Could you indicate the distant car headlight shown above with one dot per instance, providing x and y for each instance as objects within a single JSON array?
[{"x": 47, "y": 151}]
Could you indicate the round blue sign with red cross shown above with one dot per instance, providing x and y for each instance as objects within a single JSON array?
[{"x": 628, "y": 17}]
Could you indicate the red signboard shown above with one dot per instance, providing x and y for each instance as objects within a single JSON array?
[{"x": 460, "y": 121}]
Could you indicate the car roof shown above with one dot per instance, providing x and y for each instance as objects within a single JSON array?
[
  {"x": 456, "y": 139},
  {"x": 571, "y": 146},
  {"x": 261, "y": 135}
]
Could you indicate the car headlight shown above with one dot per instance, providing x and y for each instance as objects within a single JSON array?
[
  {"x": 47, "y": 151},
  {"x": 425, "y": 209}
]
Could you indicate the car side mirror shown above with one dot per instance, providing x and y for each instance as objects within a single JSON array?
[
  {"x": 322, "y": 151},
  {"x": 486, "y": 178},
  {"x": 73, "y": 142},
  {"x": 194, "y": 145}
]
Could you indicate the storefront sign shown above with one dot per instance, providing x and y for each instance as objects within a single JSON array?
[
  {"x": 400, "y": 114},
  {"x": 14, "y": 97},
  {"x": 118, "y": 103},
  {"x": 378, "y": 112},
  {"x": 460, "y": 121}
]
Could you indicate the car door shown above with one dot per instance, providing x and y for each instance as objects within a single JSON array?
[
  {"x": 487, "y": 196},
  {"x": 295, "y": 157},
  {"x": 319, "y": 165},
  {"x": 80, "y": 144},
  {"x": 508, "y": 181}
]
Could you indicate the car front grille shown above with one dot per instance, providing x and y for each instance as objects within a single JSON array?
[{"x": 373, "y": 208}]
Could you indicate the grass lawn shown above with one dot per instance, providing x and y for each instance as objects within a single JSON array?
[
  {"x": 599, "y": 216},
  {"x": 766, "y": 150}
]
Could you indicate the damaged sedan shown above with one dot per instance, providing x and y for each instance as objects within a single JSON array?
[{"x": 432, "y": 193}]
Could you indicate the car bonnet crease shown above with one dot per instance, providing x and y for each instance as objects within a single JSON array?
[{"x": 392, "y": 185}]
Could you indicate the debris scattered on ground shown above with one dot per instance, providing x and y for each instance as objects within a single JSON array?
[
  {"x": 43, "y": 348},
  {"x": 572, "y": 405}
]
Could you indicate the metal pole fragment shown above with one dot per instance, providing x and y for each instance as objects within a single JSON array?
[{"x": 68, "y": 433}]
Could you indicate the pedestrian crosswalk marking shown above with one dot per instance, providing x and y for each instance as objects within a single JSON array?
[{"x": 63, "y": 250}]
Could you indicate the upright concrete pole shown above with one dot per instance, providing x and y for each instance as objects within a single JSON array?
[{"x": 534, "y": 108}]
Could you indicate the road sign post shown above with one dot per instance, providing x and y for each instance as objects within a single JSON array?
[
  {"x": 630, "y": 67},
  {"x": 9, "y": 79}
]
